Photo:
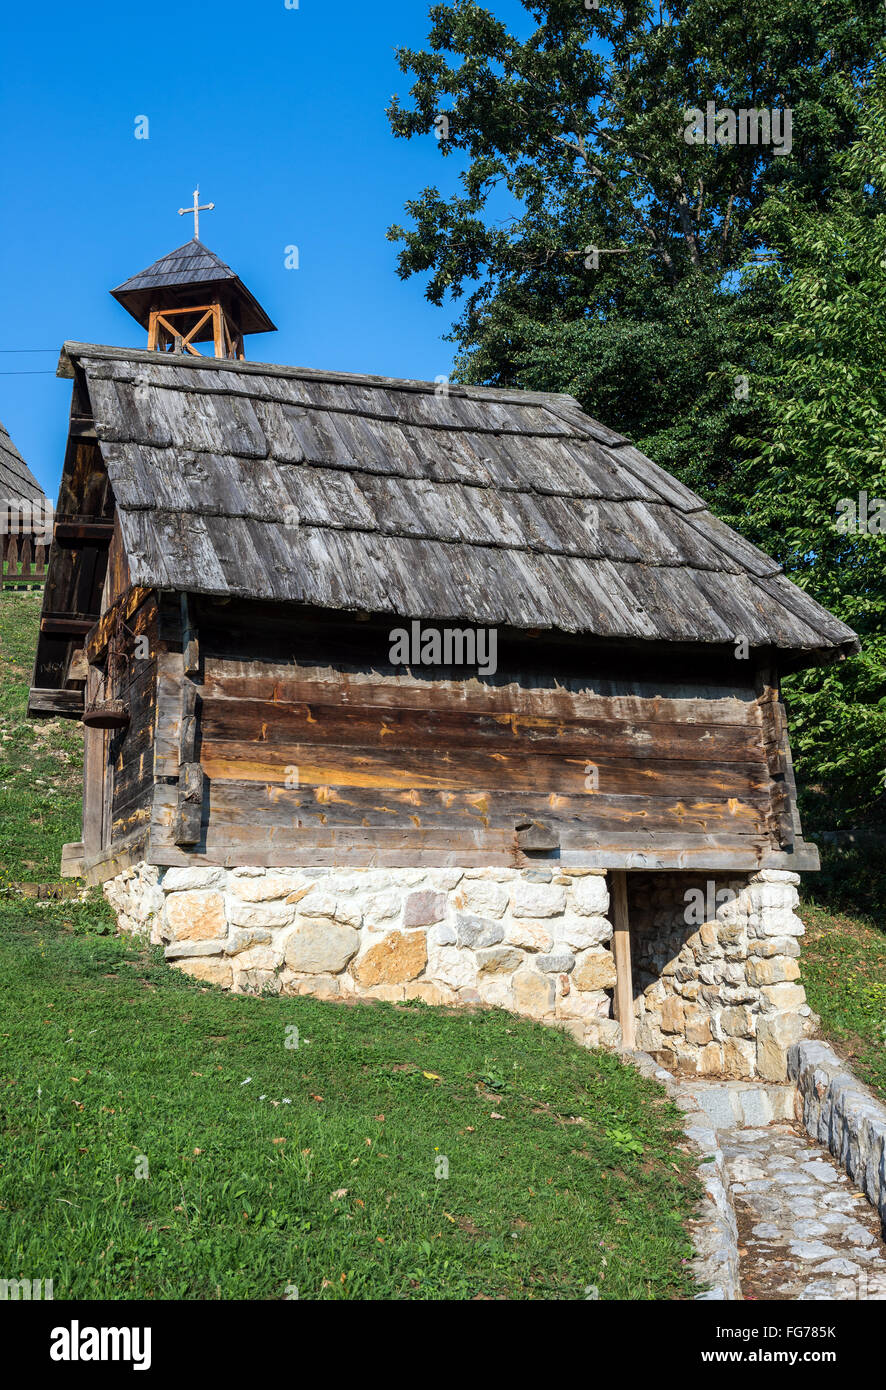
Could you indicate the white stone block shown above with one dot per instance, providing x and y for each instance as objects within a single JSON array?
[
  {"x": 178, "y": 880},
  {"x": 581, "y": 932},
  {"x": 538, "y": 899},
  {"x": 590, "y": 896}
]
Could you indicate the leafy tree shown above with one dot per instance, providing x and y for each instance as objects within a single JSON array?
[
  {"x": 815, "y": 481},
  {"x": 594, "y": 248}
]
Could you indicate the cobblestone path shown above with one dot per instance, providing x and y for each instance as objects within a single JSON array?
[{"x": 804, "y": 1231}]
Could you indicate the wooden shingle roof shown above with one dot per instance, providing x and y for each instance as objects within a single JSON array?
[
  {"x": 190, "y": 264},
  {"x": 393, "y": 497},
  {"x": 17, "y": 482},
  {"x": 192, "y": 267}
]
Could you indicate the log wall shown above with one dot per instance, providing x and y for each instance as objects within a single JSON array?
[{"x": 311, "y": 758}]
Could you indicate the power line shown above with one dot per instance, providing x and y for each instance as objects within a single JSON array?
[
  {"x": 23, "y": 350},
  {"x": 46, "y": 372}
]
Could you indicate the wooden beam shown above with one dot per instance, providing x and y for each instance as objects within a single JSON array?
[
  {"x": 94, "y": 761},
  {"x": 537, "y": 835},
  {"x": 57, "y": 704},
  {"x": 188, "y": 725},
  {"x": 83, "y": 529},
  {"x": 82, "y": 427},
  {"x": 621, "y": 949},
  {"x": 57, "y": 625},
  {"x": 78, "y": 666},
  {"x": 107, "y": 863}
]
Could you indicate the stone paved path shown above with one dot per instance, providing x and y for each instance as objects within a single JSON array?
[{"x": 804, "y": 1231}]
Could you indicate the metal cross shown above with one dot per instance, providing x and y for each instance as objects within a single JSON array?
[{"x": 196, "y": 210}]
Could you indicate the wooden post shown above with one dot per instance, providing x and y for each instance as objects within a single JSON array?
[
  {"x": 93, "y": 774},
  {"x": 190, "y": 641},
  {"x": 621, "y": 949}
]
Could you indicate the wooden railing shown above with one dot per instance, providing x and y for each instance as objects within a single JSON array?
[{"x": 23, "y": 561}]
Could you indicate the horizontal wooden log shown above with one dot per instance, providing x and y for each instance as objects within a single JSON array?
[
  {"x": 694, "y": 858},
  {"x": 267, "y": 722},
  {"x": 131, "y": 818},
  {"x": 60, "y": 625},
  {"x": 123, "y": 854},
  {"x": 527, "y": 694},
  {"x": 338, "y": 856},
  {"x": 59, "y": 704},
  {"x": 245, "y": 804},
  {"x": 73, "y": 529},
  {"x": 465, "y": 769}
]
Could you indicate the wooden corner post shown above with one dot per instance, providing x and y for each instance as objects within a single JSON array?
[{"x": 621, "y": 949}]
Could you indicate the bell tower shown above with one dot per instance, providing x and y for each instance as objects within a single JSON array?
[{"x": 190, "y": 297}]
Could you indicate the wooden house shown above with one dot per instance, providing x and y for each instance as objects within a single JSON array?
[
  {"x": 25, "y": 522},
  {"x": 253, "y": 594}
]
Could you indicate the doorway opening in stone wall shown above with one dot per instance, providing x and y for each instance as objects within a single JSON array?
[{"x": 715, "y": 971}]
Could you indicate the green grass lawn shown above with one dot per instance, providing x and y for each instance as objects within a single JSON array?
[
  {"x": 844, "y": 970},
  {"x": 41, "y": 761},
  {"x": 318, "y": 1166}
]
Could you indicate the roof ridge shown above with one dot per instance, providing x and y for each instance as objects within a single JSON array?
[{"x": 510, "y": 395}]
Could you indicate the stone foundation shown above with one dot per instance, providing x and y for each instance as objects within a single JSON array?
[
  {"x": 535, "y": 940},
  {"x": 718, "y": 997},
  {"x": 716, "y": 990}
]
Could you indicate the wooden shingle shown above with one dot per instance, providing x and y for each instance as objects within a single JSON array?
[{"x": 376, "y": 495}]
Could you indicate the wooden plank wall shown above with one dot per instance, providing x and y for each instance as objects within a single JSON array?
[
  {"x": 131, "y": 751},
  {"x": 73, "y": 588},
  {"x": 302, "y": 752}
]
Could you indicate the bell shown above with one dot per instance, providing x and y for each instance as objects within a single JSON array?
[{"x": 110, "y": 714}]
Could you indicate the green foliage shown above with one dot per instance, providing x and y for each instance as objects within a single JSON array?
[
  {"x": 852, "y": 879},
  {"x": 568, "y": 134},
  {"x": 824, "y": 407},
  {"x": 624, "y": 1141}
]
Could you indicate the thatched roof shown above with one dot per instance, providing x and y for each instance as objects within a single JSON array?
[
  {"x": 370, "y": 494},
  {"x": 17, "y": 482}
]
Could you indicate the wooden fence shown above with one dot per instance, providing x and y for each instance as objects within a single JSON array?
[{"x": 23, "y": 561}]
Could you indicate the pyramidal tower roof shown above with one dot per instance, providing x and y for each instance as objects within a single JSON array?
[{"x": 187, "y": 276}]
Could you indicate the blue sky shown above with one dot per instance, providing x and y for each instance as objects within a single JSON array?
[{"x": 278, "y": 113}]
